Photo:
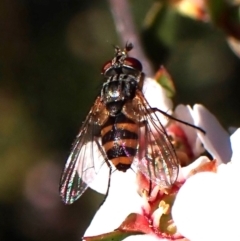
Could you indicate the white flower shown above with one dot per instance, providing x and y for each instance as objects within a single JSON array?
[
  {"x": 206, "y": 204},
  {"x": 120, "y": 202}
]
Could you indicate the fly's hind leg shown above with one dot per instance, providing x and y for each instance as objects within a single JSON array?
[
  {"x": 109, "y": 166},
  {"x": 153, "y": 110}
]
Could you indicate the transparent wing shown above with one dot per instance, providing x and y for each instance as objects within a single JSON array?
[
  {"x": 82, "y": 164},
  {"x": 156, "y": 157}
]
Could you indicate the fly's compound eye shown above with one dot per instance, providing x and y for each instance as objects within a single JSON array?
[
  {"x": 108, "y": 69},
  {"x": 131, "y": 66},
  {"x": 127, "y": 66}
]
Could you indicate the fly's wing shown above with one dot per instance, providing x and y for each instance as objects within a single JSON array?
[
  {"x": 81, "y": 167},
  {"x": 156, "y": 157}
]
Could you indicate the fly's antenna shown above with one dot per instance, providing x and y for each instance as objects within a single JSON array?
[
  {"x": 128, "y": 47},
  {"x": 123, "y": 52},
  {"x": 117, "y": 50}
]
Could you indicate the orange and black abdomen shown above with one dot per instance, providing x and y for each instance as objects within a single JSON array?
[{"x": 120, "y": 141}]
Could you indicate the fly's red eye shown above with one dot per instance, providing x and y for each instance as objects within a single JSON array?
[
  {"x": 126, "y": 65},
  {"x": 106, "y": 67},
  {"x": 129, "y": 47},
  {"x": 133, "y": 63}
]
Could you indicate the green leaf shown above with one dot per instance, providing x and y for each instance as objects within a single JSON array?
[{"x": 165, "y": 80}]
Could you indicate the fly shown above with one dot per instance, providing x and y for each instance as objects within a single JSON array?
[{"x": 123, "y": 129}]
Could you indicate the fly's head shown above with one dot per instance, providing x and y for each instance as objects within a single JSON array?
[{"x": 122, "y": 63}]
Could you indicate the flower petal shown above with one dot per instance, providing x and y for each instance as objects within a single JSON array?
[
  {"x": 185, "y": 171},
  {"x": 183, "y": 112},
  {"x": 207, "y": 206},
  {"x": 235, "y": 140},
  {"x": 121, "y": 201},
  {"x": 157, "y": 97},
  {"x": 189, "y": 210},
  {"x": 100, "y": 182},
  {"x": 216, "y": 140}
]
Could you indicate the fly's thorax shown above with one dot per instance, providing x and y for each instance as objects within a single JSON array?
[{"x": 117, "y": 90}]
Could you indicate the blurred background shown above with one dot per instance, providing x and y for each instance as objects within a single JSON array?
[{"x": 51, "y": 55}]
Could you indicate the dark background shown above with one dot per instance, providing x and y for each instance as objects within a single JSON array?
[{"x": 51, "y": 54}]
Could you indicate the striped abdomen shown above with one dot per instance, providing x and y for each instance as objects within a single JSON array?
[{"x": 120, "y": 141}]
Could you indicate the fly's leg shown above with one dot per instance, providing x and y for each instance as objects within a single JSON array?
[
  {"x": 109, "y": 166},
  {"x": 153, "y": 110},
  {"x": 141, "y": 99}
]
